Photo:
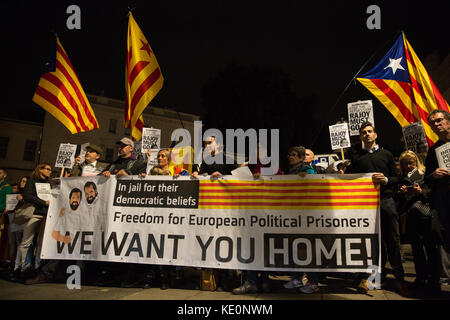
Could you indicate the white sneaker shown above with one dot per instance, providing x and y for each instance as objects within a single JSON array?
[
  {"x": 294, "y": 283},
  {"x": 309, "y": 287}
]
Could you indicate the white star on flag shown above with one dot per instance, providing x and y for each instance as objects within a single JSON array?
[{"x": 395, "y": 64}]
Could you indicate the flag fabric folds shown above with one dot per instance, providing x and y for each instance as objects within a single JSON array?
[
  {"x": 60, "y": 93},
  {"x": 143, "y": 78},
  {"x": 404, "y": 87}
]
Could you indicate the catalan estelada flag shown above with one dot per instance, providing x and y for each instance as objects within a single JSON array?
[
  {"x": 402, "y": 84},
  {"x": 310, "y": 194},
  {"x": 143, "y": 78},
  {"x": 60, "y": 93}
]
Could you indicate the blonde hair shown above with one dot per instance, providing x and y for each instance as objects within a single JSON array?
[{"x": 408, "y": 154}]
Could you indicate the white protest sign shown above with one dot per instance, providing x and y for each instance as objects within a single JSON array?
[
  {"x": 66, "y": 155},
  {"x": 358, "y": 113},
  {"x": 152, "y": 160},
  {"x": 242, "y": 172},
  {"x": 443, "y": 156},
  {"x": 11, "y": 201},
  {"x": 83, "y": 151},
  {"x": 415, "y": 138},
  {"x": 339, "y": 136},
  {"x": 43, "y": 191},
  {"x": 151, "y": 139}
]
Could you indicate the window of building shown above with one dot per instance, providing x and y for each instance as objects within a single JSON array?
[
  {"x": 109, "y": 155},
  {"x": 4, "y": 141},
  {"x": 29, "y": 153},
  {"x": 112, "y": 125}
]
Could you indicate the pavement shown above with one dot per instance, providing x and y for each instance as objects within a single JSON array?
[{"x": 336, "y": 287}]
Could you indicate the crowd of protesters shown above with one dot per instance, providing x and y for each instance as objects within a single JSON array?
[{"x": 414, "y": 204}]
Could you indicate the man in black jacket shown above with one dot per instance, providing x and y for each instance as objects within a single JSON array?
[
  {"x": 126, "y": 164},
  {"x": 372, "y": 158},
  {"x": 438, "y": 179}
]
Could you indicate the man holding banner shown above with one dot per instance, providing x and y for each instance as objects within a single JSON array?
[{"x": 372, "y": 158}]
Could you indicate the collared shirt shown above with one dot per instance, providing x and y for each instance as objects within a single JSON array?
[
  {"x": 373, "y": 149},
  {"x": 90, "y": 169}
]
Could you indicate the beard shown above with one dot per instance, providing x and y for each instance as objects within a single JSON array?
[
  {"x": 91, "y": 199},
  {"x": 74, "y": 205}
]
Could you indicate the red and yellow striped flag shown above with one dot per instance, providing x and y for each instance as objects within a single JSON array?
[
  {"x": 143, "y": 78},
  {"x": 402, "y": 84},
  {"x": 60, "y": 93}
]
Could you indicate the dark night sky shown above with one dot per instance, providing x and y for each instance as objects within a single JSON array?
[{"x": 320, "y": 45}]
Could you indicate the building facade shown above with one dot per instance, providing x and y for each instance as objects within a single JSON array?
[{"x": 19, "y": 139}]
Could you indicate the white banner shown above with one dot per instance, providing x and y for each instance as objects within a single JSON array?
[
  {"x": 415, "y": 138},
  {"x": 358, "y": 113},
  {"x": 66, "y": 155},
  {"x": 339, "y": 136},
  {"x": 317, "y": 223}
]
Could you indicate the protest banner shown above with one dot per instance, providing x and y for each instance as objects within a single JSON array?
[
  {"x": 151, "y": 139},
  {"x": 443, "y": 156},
  {"x": 339, "y": 136},
  {"x": 283, "y": 223},
  {"x": 415, "y": 138},
  {"x": 66, "y": 155},
  {"x": 358, "y": 113}
]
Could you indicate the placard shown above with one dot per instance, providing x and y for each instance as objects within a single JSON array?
[
  {"x": 415, "y": 138},
  {"x": 11, "y": 201},
  {"x": 66, "y": 155},
  {"x": 151, "y": 139},
  {"x": 339, "y": 136},
  {"x": 43, "y": 191},
  {"x": 358, "y": 113},
  {"x": 443, "y": 156}
]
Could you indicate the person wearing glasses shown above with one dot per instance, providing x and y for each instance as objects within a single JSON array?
[
  {"x": 36, "y": 224},
  {"x": 438, "y": 180},
  {"x": 126, "y": 163}
]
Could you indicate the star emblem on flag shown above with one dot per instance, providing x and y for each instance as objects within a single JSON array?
[
  {"x": 146, "y": 47},
  {"x": 394, "y": 64}
]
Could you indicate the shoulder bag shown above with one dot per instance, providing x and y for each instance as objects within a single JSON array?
[{"x": 23, "y": 212}]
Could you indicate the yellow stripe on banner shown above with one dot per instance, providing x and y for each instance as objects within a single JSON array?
[
  {"x": 290, "y": 207},
  {"x": 385, "y": 101},
  {"x": 305, "y": 201},
  {"x": 308, "y": 193},
  {"x": 225, "y": 181},
  {"x": 285, "y": 188},
  {"x": 62, "y": 98},
  {"x": 54, "y": 111}
]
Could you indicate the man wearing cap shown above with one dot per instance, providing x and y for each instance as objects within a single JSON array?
[
  {"x": 90, "y": 166},
  {"x": 126, "y": 164}
]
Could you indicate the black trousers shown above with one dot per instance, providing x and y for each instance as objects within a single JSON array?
[{"x": 390, "y": 239}]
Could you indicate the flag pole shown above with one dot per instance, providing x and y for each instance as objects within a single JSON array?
[{"x": 348, "y": 85}]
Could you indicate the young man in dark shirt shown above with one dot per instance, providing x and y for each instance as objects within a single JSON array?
[{"x": 372, "y": 158}]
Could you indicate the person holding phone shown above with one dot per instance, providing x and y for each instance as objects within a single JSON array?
[{"x": 414, "y": 202}]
